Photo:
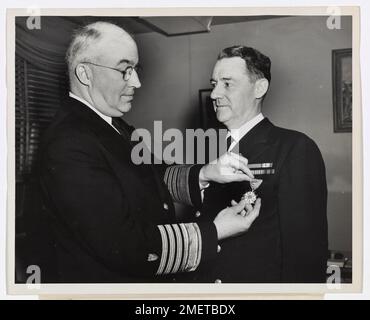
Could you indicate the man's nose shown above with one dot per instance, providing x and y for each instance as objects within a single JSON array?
[
  {"x": 134, "y": 80},
  {"x": 216, "y": 93}
]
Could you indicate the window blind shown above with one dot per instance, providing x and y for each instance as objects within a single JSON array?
[{"x": 38, "y": 96}]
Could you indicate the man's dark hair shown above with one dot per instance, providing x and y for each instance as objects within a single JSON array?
[{"x": 257, "y": 63}]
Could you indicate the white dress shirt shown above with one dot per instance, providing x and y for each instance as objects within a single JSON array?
[{"x": 238, "y": 134}]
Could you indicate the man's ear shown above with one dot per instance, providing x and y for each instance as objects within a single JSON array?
[
  {"x": 83, "y": 74},
  {"x": 260, "y": 88}
]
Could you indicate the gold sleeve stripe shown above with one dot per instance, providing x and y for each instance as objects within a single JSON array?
[
  {"x": 168, "y": 180},
  {"x": 166, "y": 173},
  {"x": 176, "y": 178},
  {"x": 193, "y": 247},
  {"x": 164, "y": 249},
  {"x": 175, "y": 182},
  {"x": 186, "y": 247},
  {"x": 171, "y": 182},
  {"x": 165, "y": 178},
  {"x": 179, "y": 251},
  {"x": 172, "y": 249},
  {"x": 183, "y": 184},
  {"x": 181, "y": 248},
  {"x": 199, "y": 253}
]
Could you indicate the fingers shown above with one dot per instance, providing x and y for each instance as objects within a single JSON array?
[
  {"x": 242, "y": 159},
  {"x": 249, "y": 207},
  {"x": 240, "y": 163},
  {"x": 253, "y": 214},
  {"x": 239, "y": 177},
  {"x": 233, "y": 203},
  {"x": 238, "y": 207}
]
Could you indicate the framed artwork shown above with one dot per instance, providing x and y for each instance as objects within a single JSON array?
[{"x": 342, "y": 89}]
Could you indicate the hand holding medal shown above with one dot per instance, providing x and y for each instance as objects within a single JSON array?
[
  {"x": 237, "y": 219},
  {"x": 248, "y": 207}
]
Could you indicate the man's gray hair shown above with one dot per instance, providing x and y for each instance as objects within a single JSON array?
[{"x": 82, "y": 40}]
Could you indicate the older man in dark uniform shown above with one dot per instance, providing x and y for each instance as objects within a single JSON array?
[{"x": 113, "y": 220}]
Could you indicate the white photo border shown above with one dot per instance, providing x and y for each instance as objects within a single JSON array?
[{"x": 190, "y": 291}]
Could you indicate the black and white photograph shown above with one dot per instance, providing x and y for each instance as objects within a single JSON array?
[{"x": 198, "y": 150}]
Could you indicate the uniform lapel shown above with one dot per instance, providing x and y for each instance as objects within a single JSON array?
[
  {"x": 107, "y": 136},
  {"x": 112, "y": 141},
  {"x": 127, "y": 132},
  {"x": 256, "y": 141}
]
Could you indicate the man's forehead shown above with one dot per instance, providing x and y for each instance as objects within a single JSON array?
[
  {"x": 229, "y": 68},
  {"x": 122, "y": 42},
  {"x": 119, "y": 50}
]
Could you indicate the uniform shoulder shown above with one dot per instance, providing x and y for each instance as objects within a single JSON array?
[
  {"x": 295, "y": 140},
  {"x": 67, "y": 128},
  {"x": 292, "y": 135}
]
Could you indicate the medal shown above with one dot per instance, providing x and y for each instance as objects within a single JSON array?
[{"x": 250, "y": 197}]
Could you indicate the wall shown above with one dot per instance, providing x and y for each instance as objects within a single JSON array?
[{"x": 300, "y": 95}]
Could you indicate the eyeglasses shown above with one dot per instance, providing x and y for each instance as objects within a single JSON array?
[{"x": 126, "y": 74}]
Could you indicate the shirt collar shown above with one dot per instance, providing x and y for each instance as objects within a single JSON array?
[
  {"x": 238, "y": 134},
  {"x": 103, "y": 116}
]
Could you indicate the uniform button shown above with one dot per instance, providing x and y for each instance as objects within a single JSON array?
[
  {"x": 218, "y": 281},
  {"x": 197, "y": 214},
  {"x": 152, "y": 257},
  {"x": 218, "y": 248},
  {"x": 165, "y": 206}
]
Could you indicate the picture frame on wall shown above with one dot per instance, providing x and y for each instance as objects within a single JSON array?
[{"x": 342, "y": 89}]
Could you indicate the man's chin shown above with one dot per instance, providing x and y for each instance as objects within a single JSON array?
[
  {"x": 126, "y": 107},
  {"x": 221, "y": 116}
]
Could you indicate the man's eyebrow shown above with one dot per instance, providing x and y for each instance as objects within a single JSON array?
[
  {"x": 124, "y": 61},
  {"x": 223, "y": 79}
]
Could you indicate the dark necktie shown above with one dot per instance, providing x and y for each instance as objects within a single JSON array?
[
  {"x": 229, "y": 141},
  {"x": 123, "y": 128}
]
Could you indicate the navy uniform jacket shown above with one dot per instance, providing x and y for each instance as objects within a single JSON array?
[
  {"x": 114, "y": 221},
  {"x": 288, "y": 241}
]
